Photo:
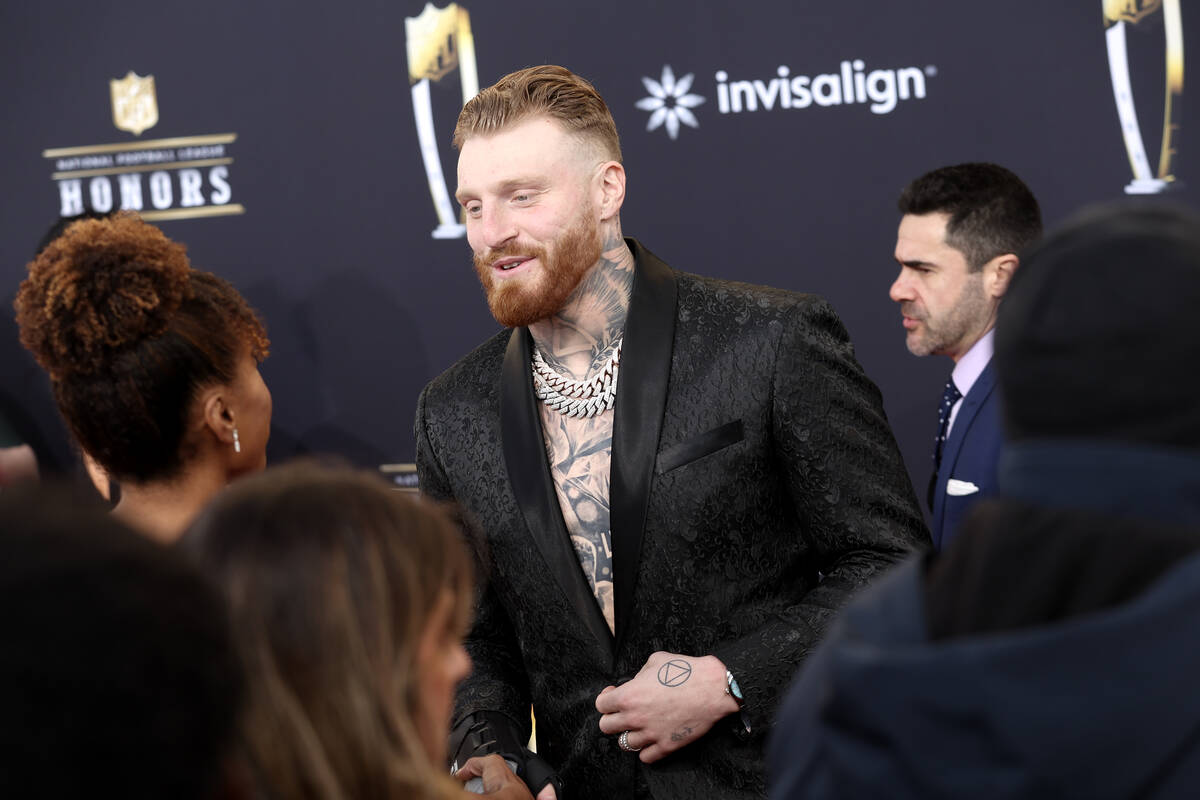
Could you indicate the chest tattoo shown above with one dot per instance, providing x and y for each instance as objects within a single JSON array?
[{"x": 579, "y": 453}]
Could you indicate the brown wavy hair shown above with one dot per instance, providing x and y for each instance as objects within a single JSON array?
[
  {"x": 129, "y": 333},
  {"x": 550, "y": 91},
  {"x": 332, "y": 577}
]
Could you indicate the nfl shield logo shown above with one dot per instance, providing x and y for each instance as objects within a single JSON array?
[
  {"x": 1131, "y": 11},
  {"x": 433, "y": 41},
  {"x": 134, "y": 105}
]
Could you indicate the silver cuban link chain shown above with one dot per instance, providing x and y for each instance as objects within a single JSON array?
[{"x": 573, "y": 398}]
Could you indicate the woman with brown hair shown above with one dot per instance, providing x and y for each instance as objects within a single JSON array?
[
  {"x": 350, "y": 601},
  {"x": 154, "y": 366}
]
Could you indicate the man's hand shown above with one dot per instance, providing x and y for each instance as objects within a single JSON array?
[
  {"x": 498, "y": 780},
  {"x": 670, "y": 703}
]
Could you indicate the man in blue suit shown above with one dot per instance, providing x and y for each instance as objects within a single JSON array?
[{"x": 958, "y": 244}]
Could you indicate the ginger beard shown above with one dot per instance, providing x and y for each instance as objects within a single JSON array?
[{"x": 519, "y": 303}]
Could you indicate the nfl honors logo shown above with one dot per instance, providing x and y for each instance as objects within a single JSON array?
[{"x": 183, "y": 177}]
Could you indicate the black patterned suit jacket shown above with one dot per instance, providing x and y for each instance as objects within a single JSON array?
[{"x": 755, "y": 486}]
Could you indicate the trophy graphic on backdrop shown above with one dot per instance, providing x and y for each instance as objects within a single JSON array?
[
  {"x": 1117, "y": 15},
  {"x": 438, "y": 41}
]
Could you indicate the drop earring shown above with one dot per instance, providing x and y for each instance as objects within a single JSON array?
[{"x": 237, "y": 444}]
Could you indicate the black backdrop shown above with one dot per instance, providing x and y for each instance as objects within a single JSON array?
[{"x": 335, "y": 249}]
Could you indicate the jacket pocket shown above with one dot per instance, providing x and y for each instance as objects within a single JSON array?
[{"x": 699, "y": 446}]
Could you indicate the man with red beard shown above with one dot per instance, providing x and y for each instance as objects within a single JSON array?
[
  {"x": 960, "y": 236},
  {"x": 679, "y": 479}
]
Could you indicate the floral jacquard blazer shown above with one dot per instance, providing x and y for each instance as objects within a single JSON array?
[{"x": 755, "y": 486}]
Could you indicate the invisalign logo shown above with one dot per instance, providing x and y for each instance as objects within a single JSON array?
[{"x": 882, "y": 88}]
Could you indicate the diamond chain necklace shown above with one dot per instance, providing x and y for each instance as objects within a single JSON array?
[{"x": 573, "y": 398}]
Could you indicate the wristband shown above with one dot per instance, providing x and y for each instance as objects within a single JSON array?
[
  {"x": 732, "y": 689},
  {"x": 742, "y": 730}
]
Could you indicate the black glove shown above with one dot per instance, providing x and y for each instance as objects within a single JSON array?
[{"x": 487, "y": 732}]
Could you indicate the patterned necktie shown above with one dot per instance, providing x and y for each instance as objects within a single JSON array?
[{"x": 950, "y": 396}]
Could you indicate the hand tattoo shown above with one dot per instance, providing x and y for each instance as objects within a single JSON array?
[
  {"x": 674, "y": 673},
  {"x": 681, "y": 734}
]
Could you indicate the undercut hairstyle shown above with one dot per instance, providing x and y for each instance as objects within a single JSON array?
[
  {"x": 549, "y": 91},
  {"x": 118, "y": 671},
  {"x": 333, "y": 576},
  {"x": 129, "y": 333},
  {"x": 992, "y": 212}
]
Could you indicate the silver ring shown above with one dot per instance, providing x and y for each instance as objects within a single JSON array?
[{"x": 623, "y": 743}]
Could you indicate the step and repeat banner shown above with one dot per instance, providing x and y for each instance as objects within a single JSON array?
[{"x": 302, "y": 150}]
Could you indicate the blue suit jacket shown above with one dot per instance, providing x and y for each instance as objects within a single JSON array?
[{"x": 970, "y": 455}]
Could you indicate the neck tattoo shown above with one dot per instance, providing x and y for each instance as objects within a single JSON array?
[{"x": 573, "y": 398}]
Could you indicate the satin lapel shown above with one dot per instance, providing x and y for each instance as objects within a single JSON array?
[
  {"x": 529, "y": 476},
  {"x": 637, "y": 420}
]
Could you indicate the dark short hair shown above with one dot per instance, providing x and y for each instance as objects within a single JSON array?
[
  {"x": 129, "y": 333},
  {"x": 118, "y": 670},
  {"x": 992, "y": 211}
]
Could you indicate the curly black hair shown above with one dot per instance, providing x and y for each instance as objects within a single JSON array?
[{"x": 129, "y": 332}]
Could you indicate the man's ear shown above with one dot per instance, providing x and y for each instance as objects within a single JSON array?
[
  {"x": 216, "y": 414},
  {"x": 611, "y": 184},
  {"x": 998, "y": 273}
]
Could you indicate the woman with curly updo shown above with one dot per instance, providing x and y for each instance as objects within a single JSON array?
[{"x": 154, "y": 366}]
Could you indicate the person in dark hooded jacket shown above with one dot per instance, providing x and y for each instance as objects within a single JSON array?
[{"x": 1053, "y": 650}]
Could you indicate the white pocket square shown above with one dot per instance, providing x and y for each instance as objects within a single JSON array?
[{"x": 957, "y": 488}]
